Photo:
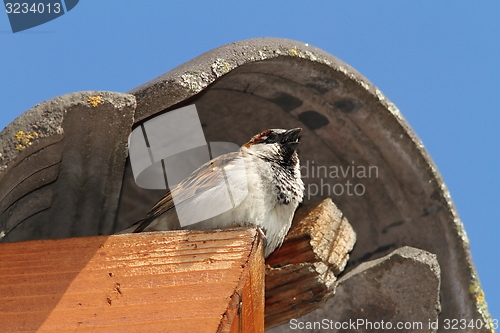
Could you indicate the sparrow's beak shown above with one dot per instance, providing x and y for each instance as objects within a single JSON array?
[{"x": 290, "y": 138}]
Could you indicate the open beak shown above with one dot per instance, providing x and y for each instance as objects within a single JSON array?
[{"x": 291, "y": 138}]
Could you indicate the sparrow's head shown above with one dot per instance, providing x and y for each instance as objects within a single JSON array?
[{"x": 276, "y": 145}]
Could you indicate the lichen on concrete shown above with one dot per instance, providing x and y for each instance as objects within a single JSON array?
[
  {"x": 220, "y": 67},
  {"x": 195, "y": 81},
  {"x": 94, "y": 101},
  {"x": 477, "y": 292},
  {"x": 25, "y": 139}
]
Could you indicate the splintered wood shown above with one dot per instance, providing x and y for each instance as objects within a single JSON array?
[
  {"x": 301, "y": 274},
  {"x": 177, "y": 281}
]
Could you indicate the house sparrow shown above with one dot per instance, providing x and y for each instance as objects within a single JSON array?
[{"x": 269, "y": 187}]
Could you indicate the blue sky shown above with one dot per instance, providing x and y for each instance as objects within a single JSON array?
[{"x": 437, "y": 61}]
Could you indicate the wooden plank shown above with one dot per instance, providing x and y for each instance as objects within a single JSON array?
[
  {"x": 301, "y": 274},
  {"x": 176, "y": 281}
]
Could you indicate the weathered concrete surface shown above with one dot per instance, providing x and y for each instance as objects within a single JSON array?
[
  {"x": 61, "y": 166},
  {"x": 402, "y": 287}
]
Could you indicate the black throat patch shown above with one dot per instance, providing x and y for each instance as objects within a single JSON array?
[{"x": 286, "y": 178}]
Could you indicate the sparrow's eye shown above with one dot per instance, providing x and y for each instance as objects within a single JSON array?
[{"x": 270, "y": 138}]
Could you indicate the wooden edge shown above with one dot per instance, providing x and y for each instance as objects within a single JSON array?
[{"x": 245, "y": 311}]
